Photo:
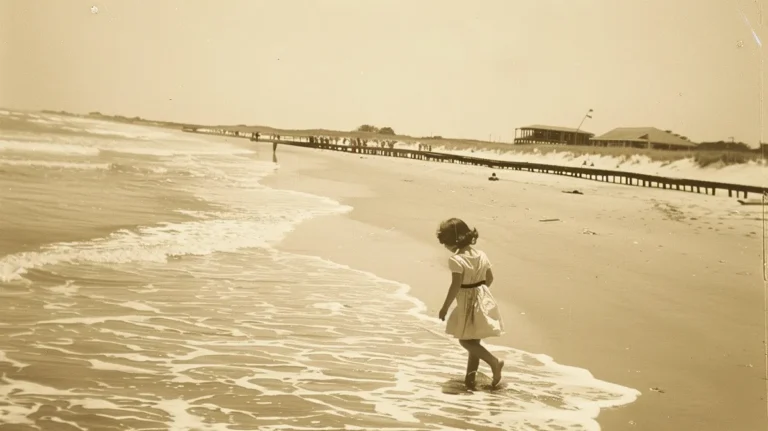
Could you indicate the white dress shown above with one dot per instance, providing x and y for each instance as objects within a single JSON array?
[{"x": 476, "y": 315}]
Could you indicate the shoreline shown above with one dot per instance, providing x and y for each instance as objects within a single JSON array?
[{"x": 551, "y": 320}]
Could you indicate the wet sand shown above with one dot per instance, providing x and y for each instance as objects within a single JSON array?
[{"x": 655, "y": 290}]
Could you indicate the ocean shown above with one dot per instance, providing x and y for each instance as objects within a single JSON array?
[{"x": 140, "y": 289}]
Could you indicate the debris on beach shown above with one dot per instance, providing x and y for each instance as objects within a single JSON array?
[
  {"x": 549, "y": 219},
  {"x": 753, "y": 201},
  {"x": 573, "y": 192},
  {"x": 659, "y": 390},
  {"x": 588, "y": 232}
]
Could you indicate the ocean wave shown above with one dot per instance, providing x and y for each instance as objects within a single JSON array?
[
  {"x": 115, "y": 166},
  {"x": 123, "y": 130},
  {"x": 90, "y": 137},
  {"x": 95, "y": 147},
  {"x": 168, "y": 151},
  {"x": 227, "y": 232},
  {"x": 128, "y": 168},
  {"x": 55, "y": 165},
  {"x": 250, "y": 216},
  {"x": 141, "y": 135},
  {"x": 45, "y": 121},
  {"x": 47, "y": 147}
]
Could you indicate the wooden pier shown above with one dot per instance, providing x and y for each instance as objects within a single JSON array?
[{"x": 619, "y": 177}]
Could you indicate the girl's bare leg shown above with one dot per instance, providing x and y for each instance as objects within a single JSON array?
[
  {"x": 472, "y": 365},
  {"x": 475, "y": 348}
]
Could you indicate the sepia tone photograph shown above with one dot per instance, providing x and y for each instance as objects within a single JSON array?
[{"x": 313, "y": 215}]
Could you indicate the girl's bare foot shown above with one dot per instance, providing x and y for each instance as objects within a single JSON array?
[
  {"x": 497, "y": 373},
  {"x": 469, "y": 381}
]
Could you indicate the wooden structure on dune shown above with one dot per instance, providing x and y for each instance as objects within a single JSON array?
[
  {"x": 551, "y": 135},
  {"x": 643, "y": 137}
]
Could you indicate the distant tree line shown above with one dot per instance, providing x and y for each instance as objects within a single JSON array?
[
  {"x": 116, "y": 117},
  {"x": 367, "y": 128}
]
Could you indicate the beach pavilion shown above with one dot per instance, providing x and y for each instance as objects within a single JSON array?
[
  {"x": 538, "y": 134},
  {"x": 643, "y": 137}
]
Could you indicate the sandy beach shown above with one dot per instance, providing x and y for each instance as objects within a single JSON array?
[{"x": 655, "y": 290}]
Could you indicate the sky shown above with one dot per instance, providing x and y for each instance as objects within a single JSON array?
[{"x": 423, "y": 67}]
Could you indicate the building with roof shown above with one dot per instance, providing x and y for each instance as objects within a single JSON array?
[
  {"x": 538, "y": 134},
  {"x": 643, "y": 137}
]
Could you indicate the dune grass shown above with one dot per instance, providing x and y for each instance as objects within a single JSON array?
[
  {"x": 725, "y": 158},
  {"x": 702, "y": 158}
]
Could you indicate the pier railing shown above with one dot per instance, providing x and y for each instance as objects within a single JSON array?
[{"x": 620, "y": 177}]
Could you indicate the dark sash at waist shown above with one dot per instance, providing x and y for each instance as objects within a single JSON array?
[{"x": 469, "y": 286}]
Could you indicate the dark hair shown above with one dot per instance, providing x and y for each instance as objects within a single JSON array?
[{"x": 455, "y": 233}]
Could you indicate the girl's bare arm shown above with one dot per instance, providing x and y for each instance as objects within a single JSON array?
[
  {"x": 453, "y": 290},
  {"x": 488, "y": 277}
]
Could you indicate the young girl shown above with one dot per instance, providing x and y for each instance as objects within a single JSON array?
[{"x": 476, "y": 315}]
